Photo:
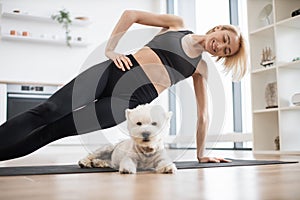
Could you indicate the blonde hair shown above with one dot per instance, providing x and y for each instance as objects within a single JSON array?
[{"x": 236, "y": 63}]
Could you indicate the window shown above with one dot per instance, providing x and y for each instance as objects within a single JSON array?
[
  {"x": 237, "y": 95},
  {"x": 202, "y": 15}
]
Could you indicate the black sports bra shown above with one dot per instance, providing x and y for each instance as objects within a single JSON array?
[{"x": 169, "y": 49}]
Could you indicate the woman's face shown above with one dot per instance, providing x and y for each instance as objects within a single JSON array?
[{"x": 222, "y": 43}]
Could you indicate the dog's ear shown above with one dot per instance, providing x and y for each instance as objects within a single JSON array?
[{"x": 127, "y": 112}]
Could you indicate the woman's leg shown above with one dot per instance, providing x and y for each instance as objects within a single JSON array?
[
  {"x": 83, "y": 89},
  {"x": 79, "y": 122},
  {"x": 122, "y": 90}
]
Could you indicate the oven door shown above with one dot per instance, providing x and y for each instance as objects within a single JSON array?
[{"x": 17, "y": 103}]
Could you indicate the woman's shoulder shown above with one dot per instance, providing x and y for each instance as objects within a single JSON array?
[{"x": 166, "y": 30}]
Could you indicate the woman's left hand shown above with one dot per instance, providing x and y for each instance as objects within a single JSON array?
[
  {"x": 212, "y": 160},
  {"x": 120, "y": 60}
]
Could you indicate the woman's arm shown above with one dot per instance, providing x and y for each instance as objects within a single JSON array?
[
  {"x": 130, "y": 17},
  {"x": 200, "y": 86},
  {"x": 199, "y": 80}
]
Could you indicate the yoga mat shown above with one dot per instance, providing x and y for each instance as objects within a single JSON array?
[{"x": 71, "y": 169}]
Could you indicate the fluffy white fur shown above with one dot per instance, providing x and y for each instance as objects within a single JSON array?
[{"x": 147, "y": 124}]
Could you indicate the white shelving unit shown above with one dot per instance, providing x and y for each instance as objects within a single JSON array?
[
  {"x": 34, "y": 38},
  {"x": 282, "y": 35}
]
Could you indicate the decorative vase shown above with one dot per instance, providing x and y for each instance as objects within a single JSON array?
[{"x": 271, "y": 95}]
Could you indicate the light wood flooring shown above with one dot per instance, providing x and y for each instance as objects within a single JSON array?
[{"x": 241, "y": 183}]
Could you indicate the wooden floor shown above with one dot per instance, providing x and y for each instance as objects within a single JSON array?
[{"x": 242, "y": 183}]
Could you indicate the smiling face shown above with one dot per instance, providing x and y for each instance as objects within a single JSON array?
[{"x": 222, "y": 43}]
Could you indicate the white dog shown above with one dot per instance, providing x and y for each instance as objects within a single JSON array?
[{"x": 147, "y": 125}]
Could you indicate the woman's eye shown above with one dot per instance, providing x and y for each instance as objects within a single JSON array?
[
  {"x": 154, "y": 123},
  {"x": 228, "y": 51},
  {"x": 139, "y": 123}
]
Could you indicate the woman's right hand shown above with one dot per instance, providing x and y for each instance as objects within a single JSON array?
[{"x": 120, "y": 60}]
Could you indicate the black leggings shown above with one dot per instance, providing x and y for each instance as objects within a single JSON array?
[{"x": 96, "y": 99}]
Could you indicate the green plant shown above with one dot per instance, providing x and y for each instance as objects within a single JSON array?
[{"x": 63, "y": 17}]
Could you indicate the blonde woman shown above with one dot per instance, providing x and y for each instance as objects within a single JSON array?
[{"x": 125, "y": 81}]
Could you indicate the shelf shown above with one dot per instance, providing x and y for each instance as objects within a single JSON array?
[
  {"x": 293, "y": 22},
  {"x": 41, "y": 40},
  {"x": 295, "y": 65},
  {"x": 284, "y": 9},
  {"x": 263, "y": 29},
  {"x": 259, "y": 111},
  {"x": 265, "y": 110},
  {"x": 263, "y": 69},
  {"x": 47, "y": 19},
  {"x": 290, "y": 108},
  {"x": 282, "y": 36}
]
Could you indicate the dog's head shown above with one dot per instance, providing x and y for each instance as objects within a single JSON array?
[{"x": 147, "y": 124}]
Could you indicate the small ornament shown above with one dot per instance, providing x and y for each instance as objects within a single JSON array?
[{"x": 267, "y": 58}]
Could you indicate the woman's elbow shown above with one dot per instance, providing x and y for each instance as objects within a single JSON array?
[
  {"x": 130, "y": 15},
  {"x": 203, "y": 118}
]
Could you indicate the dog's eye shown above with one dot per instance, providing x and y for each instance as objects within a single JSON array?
[
  {"x": 154, "y": 123},
  {"x": 139, "y": 123}
]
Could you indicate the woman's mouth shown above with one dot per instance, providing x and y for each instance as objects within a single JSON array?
[{"x": 213, "y": 46}]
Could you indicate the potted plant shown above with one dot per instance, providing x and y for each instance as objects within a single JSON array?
[{"x": 63, "y": 17}]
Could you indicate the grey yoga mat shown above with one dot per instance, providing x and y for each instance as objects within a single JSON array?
[{"x": 71, "y": 169}]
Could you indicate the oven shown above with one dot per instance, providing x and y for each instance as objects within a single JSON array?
[{"x": 23, "y": 97}]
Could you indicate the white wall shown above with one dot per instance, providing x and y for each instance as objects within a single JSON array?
[{"x": 48, "y": 63}]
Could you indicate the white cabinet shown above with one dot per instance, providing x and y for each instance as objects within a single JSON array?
[{"x": 281, "y": 33}]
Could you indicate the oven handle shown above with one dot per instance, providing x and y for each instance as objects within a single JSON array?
[{"x": 28, "y": 96}]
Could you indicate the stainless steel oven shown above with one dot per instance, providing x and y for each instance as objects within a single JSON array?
[{"x": 23, "y": 97}]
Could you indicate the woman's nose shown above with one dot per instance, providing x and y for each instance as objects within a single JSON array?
[{"x": 220, "y": 46}]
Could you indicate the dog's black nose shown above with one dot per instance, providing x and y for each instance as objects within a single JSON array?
[{"x": 145, "y": 135}]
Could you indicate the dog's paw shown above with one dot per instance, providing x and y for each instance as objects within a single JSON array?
[
  {"x": 127, "y": 166},
  {"x": 127, "y": 171},
  {"x": 168, "y": 169},
  {"x": 100, "y": 163},
  {"x": 85, "y": 163}
]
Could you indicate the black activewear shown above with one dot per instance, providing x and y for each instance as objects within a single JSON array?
[
  {"x": 169, "y": 49},
  {"x": 95, "y": 99}
]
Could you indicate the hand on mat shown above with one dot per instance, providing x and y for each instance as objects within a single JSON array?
[
  {"x": 120, "y": 60},
  {"x": 212, "y": 160}
]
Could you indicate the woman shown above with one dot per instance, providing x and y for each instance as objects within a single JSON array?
[{"x": 125, "y": 81}]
